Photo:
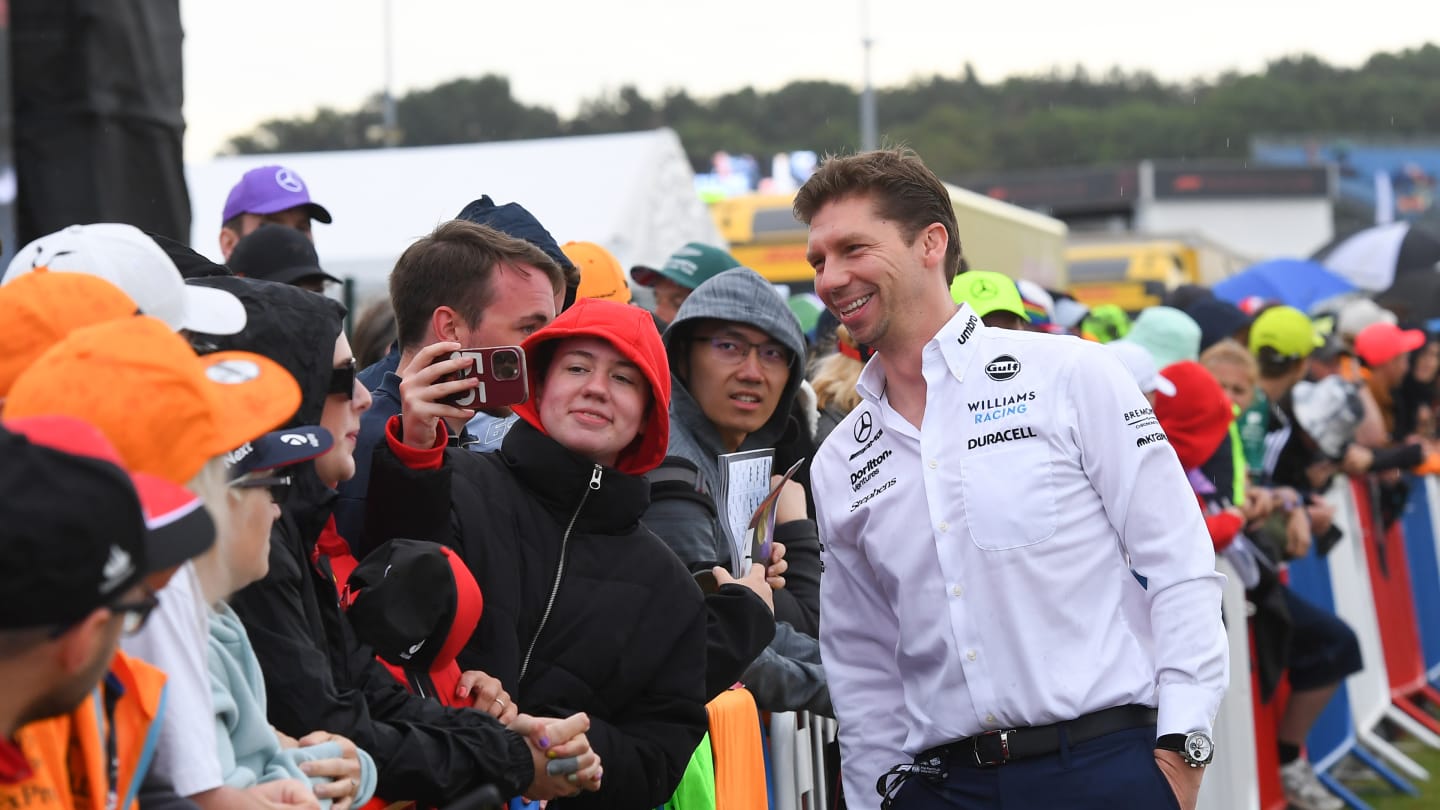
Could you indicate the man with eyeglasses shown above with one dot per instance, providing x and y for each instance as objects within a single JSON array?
[
  {"x": 736, "y": 356},
  {"x": 76, "y": 710}
]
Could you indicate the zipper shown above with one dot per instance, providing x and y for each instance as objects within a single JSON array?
[{"x": 560, "y": 569}]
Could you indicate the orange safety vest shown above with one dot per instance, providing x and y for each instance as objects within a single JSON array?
[{"x": 70, "y": 755}]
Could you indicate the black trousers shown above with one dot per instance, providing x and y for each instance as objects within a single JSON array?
[{"x": 1113, "y": 772}]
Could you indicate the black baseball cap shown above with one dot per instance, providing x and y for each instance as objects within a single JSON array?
[
  {"x": 277, "y": 253},
  {"x": 278, "y": 448},
  {"x": 415, "y": 602},
  {"x": 76, "y": 530}
]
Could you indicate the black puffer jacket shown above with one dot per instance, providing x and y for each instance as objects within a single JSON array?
[
  {"x": 585, "y": 608},
  {"x": 317, "y": 675},
  {"x": 625, "y": 637}
]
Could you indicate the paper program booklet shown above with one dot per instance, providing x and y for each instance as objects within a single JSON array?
[{"x": 748, "y": 504}]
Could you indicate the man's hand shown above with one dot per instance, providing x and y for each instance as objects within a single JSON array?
[
  {"x": 285, "y": 794},
  {"x": 1322, "y": 516},
  {"x": 1357, "y": 460},
  {"x": 775, "y": 571},
  {"x": 487, "y": 695},
  {"x": 560, "y": 751},
  {"x": 755, "y": 581},
  {"x": 344, "y": 771},
  {"x": 1259, "y": 502},
  {"x": 421, "y": 390},
  {"x": 1183, "y": 779}
]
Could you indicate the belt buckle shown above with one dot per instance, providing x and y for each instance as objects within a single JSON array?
[{"x": 1004, "y": 736}]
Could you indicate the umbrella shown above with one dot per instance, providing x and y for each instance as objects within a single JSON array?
[
  {"x": 1375, "y": 257},
  {"x": 1295, "y": 282},
  {"x": 1414, "y": 297}
]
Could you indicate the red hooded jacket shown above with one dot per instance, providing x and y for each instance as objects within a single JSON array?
[{"x": 1196, "y": 420}]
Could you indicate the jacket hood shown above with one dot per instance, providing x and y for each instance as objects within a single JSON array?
[
  {"x": 296, "y": 328},
  {"x": 743, "y": 296},
  {"x": 630, "y": 330},
  {"x": 1197, "y": 417}
]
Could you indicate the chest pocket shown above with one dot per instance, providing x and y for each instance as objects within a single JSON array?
[{"x": 1009, "y": 495}]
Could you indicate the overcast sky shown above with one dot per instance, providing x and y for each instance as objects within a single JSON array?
[{"x": 261, "y": 59}]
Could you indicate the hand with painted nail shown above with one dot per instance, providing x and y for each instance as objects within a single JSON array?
[
  {"x": 560, "y": 741},
  {"x": 487, "y": 695}
]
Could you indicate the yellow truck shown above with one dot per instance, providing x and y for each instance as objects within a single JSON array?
[
  {"x": 1135, "y": 271},
  {"x": 765, "y": 236}
]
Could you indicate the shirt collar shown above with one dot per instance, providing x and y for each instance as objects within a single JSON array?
[{"x": 955, "y": 342}]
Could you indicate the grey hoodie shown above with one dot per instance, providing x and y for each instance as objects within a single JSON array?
[{"x": 787, "y": 676}]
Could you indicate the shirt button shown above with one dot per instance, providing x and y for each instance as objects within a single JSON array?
[
  {"x": 957, "y": 591},
  {"x": 934, "y": 464},
  {"x": 970, "y": 654},
  {"x": 990, "y": 718},
  {"x": 944, "y": 527}
]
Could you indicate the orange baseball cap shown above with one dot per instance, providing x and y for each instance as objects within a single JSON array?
[
  {"x": 601, "y": 275},
  {"x": 165, "y": 409},
  {"x": 38, "y": 309}
]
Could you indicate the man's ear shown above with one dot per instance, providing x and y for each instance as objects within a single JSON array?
[
  {"x": 228, "y": 238},
  {"x": 444, "y": 323},
  {"x": 933, "y": 242}
]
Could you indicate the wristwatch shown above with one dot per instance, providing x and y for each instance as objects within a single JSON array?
[{"x": 1196, "y": 748}]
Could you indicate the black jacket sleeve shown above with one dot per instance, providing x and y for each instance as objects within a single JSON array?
[
  {"x": 738, "y": 627},
  {"x": 1399, "y": 457},
  {"x": 318, "y": 677},
  {"x": 798, "y": 603}
]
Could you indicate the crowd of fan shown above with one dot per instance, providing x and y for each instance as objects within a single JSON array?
[{"x": 246, "y": 565}]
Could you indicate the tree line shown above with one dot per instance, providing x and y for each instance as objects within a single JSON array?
[{"x": 958, "y": 123}]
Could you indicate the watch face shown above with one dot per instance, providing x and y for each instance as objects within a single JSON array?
[{"x": 1199, "y": 748}]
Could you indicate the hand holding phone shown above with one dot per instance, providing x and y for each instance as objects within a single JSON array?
[
  {"x": 426, "y": 385},
  {"x": 500, "y": 374}
]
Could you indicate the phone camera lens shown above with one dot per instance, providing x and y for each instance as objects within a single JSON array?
[{"x": 506, "y": 365}]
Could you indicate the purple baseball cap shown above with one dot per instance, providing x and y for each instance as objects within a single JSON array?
[{"x": 268, "y": 189}]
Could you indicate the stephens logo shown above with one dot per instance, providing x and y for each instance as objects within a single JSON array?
[
  {"x": 863, "y": 426},
  {"x": 969, "y": 330},
  {"x": 872, "y": 495},
  {"x": 1002, "y": 368},
  {"x": 1153, "y": 438}
]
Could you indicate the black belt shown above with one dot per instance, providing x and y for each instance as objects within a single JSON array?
[
  {"x": 1006, "y": 745},
  {"x": 1003, "y": 745}
]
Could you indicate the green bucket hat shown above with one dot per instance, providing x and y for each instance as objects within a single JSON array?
[{"x": 690, "y": 266}]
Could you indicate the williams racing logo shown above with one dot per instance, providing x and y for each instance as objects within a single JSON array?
[
  {"x": 990, "y": 410},
  {"x": 868, "y": 471},
  {"x": 1002, "y": 368}
]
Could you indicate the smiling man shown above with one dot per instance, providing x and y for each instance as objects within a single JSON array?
[{"x": 985, "y": 509}]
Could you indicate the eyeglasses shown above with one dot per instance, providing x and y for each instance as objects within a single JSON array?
[
  {"x": 279, "y": 486},
  {"x": 134, "y": 614},
  {"x": 342, "y": 379},
  {"x": 733, "y": 351}
]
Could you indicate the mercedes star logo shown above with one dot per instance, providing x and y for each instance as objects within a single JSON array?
[
  {"x": 863, "y": 425},
  {"x": 982, "y": 289},
  {"x": 286, "y": 179}
]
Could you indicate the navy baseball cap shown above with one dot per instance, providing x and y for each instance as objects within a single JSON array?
[
  {"x": 268, "y": 189},
  {"x": 276, "y": 253},
  {"x": 278, "y": 448}
]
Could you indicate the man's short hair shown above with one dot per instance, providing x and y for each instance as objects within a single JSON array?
[
  {"x": 903, "y": 187},
  {"x": 453, "y": 267}
]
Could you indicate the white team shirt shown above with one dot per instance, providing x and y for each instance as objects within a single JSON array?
[{"x": 978, "y": 571}]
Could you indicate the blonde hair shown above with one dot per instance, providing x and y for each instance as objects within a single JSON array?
[
  {"x": 212, "y": 486},
  {"x": 1230, "y": 351},
  {"x": 834, "y": 382}
]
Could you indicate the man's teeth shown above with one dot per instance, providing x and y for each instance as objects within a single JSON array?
[
  {"x": 856, "y": 304},
  {"x": 747, "y": 397}
]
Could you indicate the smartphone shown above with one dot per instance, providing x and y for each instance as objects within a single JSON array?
[{"x": 501, "y": 371}]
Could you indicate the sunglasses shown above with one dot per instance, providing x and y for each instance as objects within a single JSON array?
[
  {"x": 342, "y": 379},
  {"x": 279, "y": 486}
]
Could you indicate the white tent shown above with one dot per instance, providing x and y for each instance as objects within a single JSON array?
[{"x": 633, "y": 193}]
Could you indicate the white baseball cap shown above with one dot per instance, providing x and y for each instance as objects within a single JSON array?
[
  {"x": 1141, "y": 365},
  {"x": 126, "y": 257}
]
